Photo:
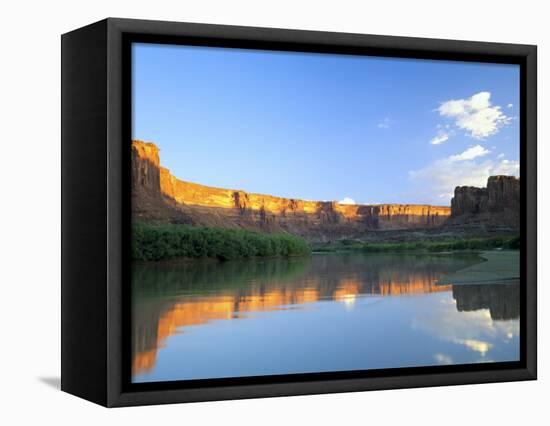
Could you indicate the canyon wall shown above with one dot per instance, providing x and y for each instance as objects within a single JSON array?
[
  {"x": 158, "y": 196},
  {"x": 145, "y": 167},
  {"x": 497, "y": 204}
]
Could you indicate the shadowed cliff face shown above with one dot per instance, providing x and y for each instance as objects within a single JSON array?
[
  {"x": 497, "y": 204},
  {"x": 160, "y": 197}
]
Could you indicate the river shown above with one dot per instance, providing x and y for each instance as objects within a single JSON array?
[{"x": 327, "y": 312}]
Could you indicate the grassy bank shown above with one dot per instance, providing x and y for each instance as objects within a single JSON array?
[
  {"x": 158, "y": 242},
  {"x": 487, "y": 243},
  {"x": 500, "y": 267}
]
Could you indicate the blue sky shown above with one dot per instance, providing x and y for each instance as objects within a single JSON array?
[{"x": 326, "y": 127}]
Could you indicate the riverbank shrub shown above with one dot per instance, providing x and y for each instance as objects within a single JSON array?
[
  {"x": 467, "y": 244},
  {"x": 488, "y": 243},
  {"x": 157, "y": 242}
]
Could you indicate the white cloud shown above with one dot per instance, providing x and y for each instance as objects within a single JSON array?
[
  {"x": 475, "y": 115},
  {"x": 475, "y": 345},
  {"x": 507, "y": 167},
  {"x": 385, "y": 123},
  {"x": 474, "y": 330},
  {"x": 442, "y": 176},
  {"x": 444, "y": 132},
  {"x": 470, "y": 154},
  {"x": 443, "y": 359},
  {"x": 439, "y": 179},
  {"x": 510, "y": 105},
  {"x": 500, "y": 156},
  {"x": 440, "y": 138},
  {"x": 347, "y": 200}
]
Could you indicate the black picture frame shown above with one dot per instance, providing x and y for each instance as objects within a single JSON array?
[{"x": 96, "y": 114}]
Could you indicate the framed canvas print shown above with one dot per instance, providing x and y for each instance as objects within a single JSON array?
[{"x": 253, "y": 212}]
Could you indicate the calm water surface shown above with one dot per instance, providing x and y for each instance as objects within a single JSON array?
[{"x": 329, "y": 312}]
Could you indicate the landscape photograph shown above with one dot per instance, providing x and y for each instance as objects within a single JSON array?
[{"x": 310, "y": 212}]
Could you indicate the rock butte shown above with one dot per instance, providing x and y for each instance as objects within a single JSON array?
[
  {"x": 158, "y": 196},
  {"x": 501, "y": 193},
  {"x": 497, "y": 204}
]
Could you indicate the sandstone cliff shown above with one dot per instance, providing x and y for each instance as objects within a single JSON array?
[
  {"x": 497, "y": 204},
  {"x": 158, "y": 196}
]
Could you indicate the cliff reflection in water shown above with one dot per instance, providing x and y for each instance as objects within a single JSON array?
[
  {"x": 502, "y": 300},
  {"x": 168, "y": 297}
]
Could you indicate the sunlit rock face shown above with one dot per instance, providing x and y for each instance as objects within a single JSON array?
[
  {"x": 497, "y": 204},
  {"x": 145, "y": 167},
  {"x": 160, "y": 197}
]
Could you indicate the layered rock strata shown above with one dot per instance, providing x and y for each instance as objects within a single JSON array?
[
  {"x": 159, "y": 196},
  {"x": 496, "y": 204}
]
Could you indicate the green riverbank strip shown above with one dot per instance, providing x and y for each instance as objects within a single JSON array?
[
  {"x": 423, "y": 246},
  {"x": 161, "y": 242},
  {"x": 499, "y": 267}
]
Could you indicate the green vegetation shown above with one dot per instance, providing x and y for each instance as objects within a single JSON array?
[
  {"x": 157, "y": 242},
  {"x": 499, "y": 267},
  {"x": 470, "y": 244}
]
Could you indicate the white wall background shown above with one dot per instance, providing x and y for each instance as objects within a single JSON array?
[{"x": 30, "y": 210}]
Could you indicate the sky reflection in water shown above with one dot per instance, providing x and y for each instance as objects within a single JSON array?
[{"x": 330, "y": 312}]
